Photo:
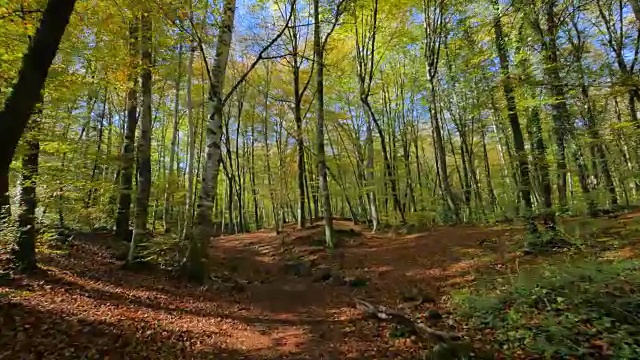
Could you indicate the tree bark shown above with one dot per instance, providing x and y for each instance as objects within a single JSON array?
[
  {"x": 433, "y": 36},
  {"x": 322, "y": 164},
  {"x": 192, "y": 143},
  {"x": 514, "y": 121},
  {"x": 166, "y": 208},
  {"x": 127, "y": 158},
  {"x": 196, "y": 261},
  {"x": 144, "y": 142},
  {"x": 26, "y": 93},
  {"x": 24, "y": 254},
  {"x": 252, "y": 175},
  {"x": 487, "y": 169}
]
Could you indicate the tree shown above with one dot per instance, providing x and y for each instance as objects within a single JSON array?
[
  {"x": 144, "y": 142},
  {"x": 196, "y": 261},
  {"x": 126, "y": 168},
  {"x": 26, "y": 93},
  {"x": 434, "y": 31},
  {"x": 319, "y": 45},
  {"x": 514, "y": 121}
]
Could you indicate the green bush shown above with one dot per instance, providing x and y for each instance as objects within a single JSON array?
[{"x": 585, "y": 309}]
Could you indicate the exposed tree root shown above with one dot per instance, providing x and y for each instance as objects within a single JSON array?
[{"x": 403, "y": 319}]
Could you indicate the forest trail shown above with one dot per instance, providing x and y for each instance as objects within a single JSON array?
[{"x": 85, "y": 305}]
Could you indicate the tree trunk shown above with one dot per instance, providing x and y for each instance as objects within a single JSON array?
[
  {"x": 596, "y": 147},
  {"x": 127, "y": 160},
  {"x": 166, "y": 208},
  {"x": 322, "y": 165},
  {"x": 560, "y": 111},
  {"x": 144, "y": 142},
  {"x": 238, "y": 175},
  {"x": 252, "y": 175},
  {"x": 92, "y": 190},
  {"x": 196, "y": 264},
  {"x": 487, "y": 169},
  {"x": 26, "y": 93},
  {"x": 300, "y": 148},
  {"x": 24, "y": 253},
  {"x": 265, "y": 129},
  {"x": 192, "y": 143},
  {"x": 514, "y": 121},
  {"x": 540, "y": 159}
]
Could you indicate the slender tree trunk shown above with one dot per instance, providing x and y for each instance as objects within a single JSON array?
[
  {"x": 322, "y": 164},
  {"x": 308, "y": 192},
  {"x": 127, "y": 160},
  {"x": 583, "y": 179},
  {"x": 166, "y": 208},
  {"x": 441, "y": 155},
  {"x": 514, "y": 121},
  {"x": 560, "y": 111},
  {"x": 487, "y": 169},
  {"x": 624, "y": 149},
  {"x": 144, "y": 142},
  {"x": 370, "y": 175},
  {"x": 92, "y": 190},
  {"x": 434, "y": 34},
  {"x": 300, "y": 148},
  {"x": 196, "y": 264},
  {"x": 192, "y": 143},
  {"x": 365, "y": 54},
  {"x": 596, "y": 147},
  {"x": 265, "y": 129},
  {"x": 252, "y": 174},
  {"x": 540, "y": 159},
  {"x": 238, "y": 175}
]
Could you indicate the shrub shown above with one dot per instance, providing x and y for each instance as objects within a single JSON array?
[{"x": 585, "y": 309}]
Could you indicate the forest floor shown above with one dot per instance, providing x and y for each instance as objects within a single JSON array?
[{"x": 275, "y": 298}]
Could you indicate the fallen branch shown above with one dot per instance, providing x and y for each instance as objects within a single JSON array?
[
  {"x": 412, "y": 304},
  {"x": 405, "y": 320}
]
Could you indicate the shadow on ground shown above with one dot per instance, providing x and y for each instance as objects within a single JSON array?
[{"x": 86, "y": 306}]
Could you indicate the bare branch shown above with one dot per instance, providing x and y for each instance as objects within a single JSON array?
[{"x": 261, "y": 56}]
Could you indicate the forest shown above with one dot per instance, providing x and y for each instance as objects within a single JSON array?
[{"x": 320, "y": 179}]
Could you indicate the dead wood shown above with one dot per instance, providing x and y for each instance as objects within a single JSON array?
[{"x": 403, "y": 319}]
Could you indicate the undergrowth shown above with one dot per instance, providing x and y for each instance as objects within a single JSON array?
[{"x": 583, "y": 309}]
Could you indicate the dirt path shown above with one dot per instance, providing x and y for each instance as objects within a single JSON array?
[{"x": 85, "y": 306}]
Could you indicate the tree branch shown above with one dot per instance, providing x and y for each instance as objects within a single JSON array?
[{"x": 260, "y": 57}]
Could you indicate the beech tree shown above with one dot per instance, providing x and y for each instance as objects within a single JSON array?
[{"x": 372, "y": 110}]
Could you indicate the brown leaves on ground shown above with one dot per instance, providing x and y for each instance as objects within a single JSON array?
[{"x": 85, "y": 306}]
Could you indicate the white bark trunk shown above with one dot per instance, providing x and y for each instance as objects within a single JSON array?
[
  {"x": 144, "y": 142},
  {"x": 192, "y": 142},
  {"x": 322, "y": 165},
  {"x": 197, "y": 257}
]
